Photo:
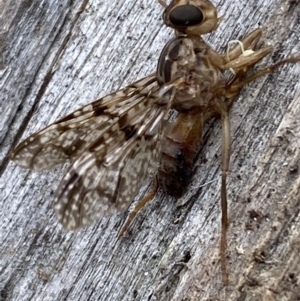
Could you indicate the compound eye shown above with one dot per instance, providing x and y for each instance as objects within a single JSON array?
[{"x": 186, "y": 15}]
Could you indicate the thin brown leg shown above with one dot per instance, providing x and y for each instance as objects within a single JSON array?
[
  {"x": 234, "y": 88},
  {"x": 224, "y": 223},
  {"x": 244, "y": 55},
  {"x": 231, "y": 90},
  {"x": 138, "y": 207},
  {"x": 244, "y": 62},
  {"x": 249, "y": 42},
  {"x": 221, "y": 108}
]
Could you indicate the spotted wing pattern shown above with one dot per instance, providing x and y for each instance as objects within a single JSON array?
[
  {"x": 66, "y": 138},
  {"x": 114, "y": 143}
]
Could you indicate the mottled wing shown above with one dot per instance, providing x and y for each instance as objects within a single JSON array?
[
  {"x": 114, "y": 143},
  {"x": 107, "y": 176},
  {"x": 68, "y": 137}
]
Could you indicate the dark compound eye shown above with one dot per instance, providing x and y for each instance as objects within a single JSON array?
[{"x": 186, "y": 15}]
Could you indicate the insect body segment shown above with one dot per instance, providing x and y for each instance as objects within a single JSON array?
[
  {"x": 183, "y": 139},
  {"x": 190, "y": 58},
  {"x": 119, "y": 140}
]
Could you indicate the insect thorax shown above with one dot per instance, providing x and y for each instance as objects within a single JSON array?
[{"x": 189, "y": 59}]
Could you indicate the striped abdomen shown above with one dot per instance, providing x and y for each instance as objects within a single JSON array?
[{"x": 183, "y": 139}]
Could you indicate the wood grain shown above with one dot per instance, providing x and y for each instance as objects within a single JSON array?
[{"x": 57, "y": 56}]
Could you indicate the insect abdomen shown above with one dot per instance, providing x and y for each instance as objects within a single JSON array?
[{"x": 179, "y": 151}]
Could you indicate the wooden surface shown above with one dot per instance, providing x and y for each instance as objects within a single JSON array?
[{"x": 56, "y": 56}]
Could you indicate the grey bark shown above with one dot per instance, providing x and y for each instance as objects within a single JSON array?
[{"x": 58, "y": 55}]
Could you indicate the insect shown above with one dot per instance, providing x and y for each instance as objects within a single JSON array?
[{"x": 119, "y": 140}]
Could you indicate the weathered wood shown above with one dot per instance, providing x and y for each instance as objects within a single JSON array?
[{"x": 59, "y": 55}]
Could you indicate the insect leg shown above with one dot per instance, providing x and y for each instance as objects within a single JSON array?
[
  {"x": 221, "y": 108},
  {"x": 235, "y": 87},
  {"x": 248, "y": 43},
  {"x": 138, "y": 207},
  {"x": 243, "y": 56}
]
